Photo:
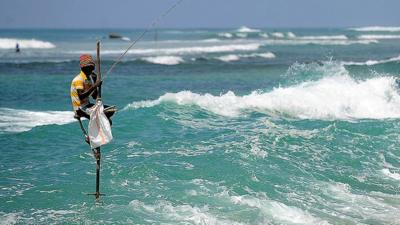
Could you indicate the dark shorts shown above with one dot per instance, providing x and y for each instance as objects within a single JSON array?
[{"x": 84, "y": 112}]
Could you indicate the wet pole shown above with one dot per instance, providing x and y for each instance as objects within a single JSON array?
[{"x": 97, "y": 152}]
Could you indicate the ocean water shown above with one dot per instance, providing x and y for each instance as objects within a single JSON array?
[{"x": 215, "y": 126}]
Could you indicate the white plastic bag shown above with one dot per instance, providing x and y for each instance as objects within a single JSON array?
[{"x": 99, "y": 126}]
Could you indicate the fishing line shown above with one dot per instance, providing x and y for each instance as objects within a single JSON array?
[{"x": 150, "y": 27}]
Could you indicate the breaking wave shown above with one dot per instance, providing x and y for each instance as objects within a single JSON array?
[
  {"x": 372, "y": 62},
  {"x": 233, "y": 57},
  {"x": 164, "y": 60},
  {"x": 184, "y": 50},
  {"x": 18, "y": 120},
  {"x": 376, "y": 28},
  {"x": 335, "y": 96},
  {"x": 324, "y": 37},
  {"x": 317, "y": 42},
  {"x": 378, "y": 36},
  {"x": 245, "y": 29},
  {"x": 10, "y": 43}
]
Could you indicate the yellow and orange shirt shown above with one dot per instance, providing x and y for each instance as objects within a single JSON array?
[{"x": 80, "y": 82}]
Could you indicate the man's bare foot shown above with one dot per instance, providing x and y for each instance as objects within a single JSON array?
[
  {"x": 87, "y": 139},
  {"x": 96, "y": 154}
]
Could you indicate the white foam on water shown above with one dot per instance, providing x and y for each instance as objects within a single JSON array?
[
  {"x": 290, "y": 35},
  {"x": 241, "y": 35},
  {"x": 225, "y": 35},
  {"x": 9, "y": 218},
  {"x": 211, "y": 40},
  {"x": 378, "y": 37},
  {"x": 10, "y": 43},
  {"x": 324, "y": 37},
  {"x": 236, "y": 57},
  {"x": 376, "y": 28},
  {"x": 277, "y": 211},
  {"x": 297, "y": 41},
  {"x": 373, "y": 62},
  {"x": 335, "y": 96},
  {"x": 278, "y": 34},
  {"x": 245, "y": 29},
  {"x": 264, "y": 35},
  {"x": 374, "y": 206},
  {"x": 229, "y": 58},
  {"x": 164, "y": 60},
  {"x": 125, "y": 39},
  {"x": 164, "y": 211},
  {"x": 18, "y": 120},
  {"x": 185, "y": 50},
  {"x": 390, "y": 174}
]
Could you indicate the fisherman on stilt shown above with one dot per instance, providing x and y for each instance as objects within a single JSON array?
[{"x": 84, "y": 85}]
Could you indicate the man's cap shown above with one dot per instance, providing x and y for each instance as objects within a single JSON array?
[{"x": 86, "y": 60}]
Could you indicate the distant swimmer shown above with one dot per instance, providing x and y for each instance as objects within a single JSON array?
[
  {"x": 17, "y": 48},
  {"x": 85, "y": 84}
]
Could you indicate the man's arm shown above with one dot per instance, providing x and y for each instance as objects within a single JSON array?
[{"x": 83, "y": 95}]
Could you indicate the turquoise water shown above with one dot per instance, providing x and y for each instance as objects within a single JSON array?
[{"x": 234, "y": 126}]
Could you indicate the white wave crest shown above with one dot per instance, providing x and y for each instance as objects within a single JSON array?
[
  {"x": 278, "y": 34},
  {"x": 225, "y": 35},
  {"x": 10, "y": 43},
  {"x": 393, "y": 175},
  {"x": 17, "y": 120},
  {"x": 372, "y": 62},
  {"x": 245, "y": 29},
  {"x": 378, "y": 36},
  {"x": 233, "y": 57},
  {"x": 376, "y": 28},
  {"x": 183, "y": 50},
  {"x": 164, "y": 60},
  {"x": 290, "y": 35},
  {"x": 241, "y": 35},
  {"x": 297, "y": 41},
  {"x": 178, "y": 214},
  {"x": 324, "y": 37},
  {"x": 333, "y": 97},
  {"x": 278, "y": 211}
]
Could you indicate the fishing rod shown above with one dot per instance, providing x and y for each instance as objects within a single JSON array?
[{"x": 150, "y": 27}]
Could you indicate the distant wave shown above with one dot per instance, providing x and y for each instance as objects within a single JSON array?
[
  {"x": 377, "y": 36},
  {"x": 372, "y": 62},
  {"x": 376, "y": 28},
  {"x": 245, "y": 29},
  {"x": 225, "y": 35},
  {"x": 164, "y": 60},
  {"x": 324, "y": 37},
  {"x": 34, "y": 61},
  {"x": 278, "y": 34},
  {"x": 10, "y": 43},
  {"x": 18, "y": 120},
  {"x": 335, "y": 96},
  {"x": 235, "y": 57},
  {"x": 184, "y": 50},
  {"x": 316, "y": 42}
]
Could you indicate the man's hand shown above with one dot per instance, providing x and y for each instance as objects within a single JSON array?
[{"x": 98, "y": 83}]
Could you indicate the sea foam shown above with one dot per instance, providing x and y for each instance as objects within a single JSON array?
[
  {"x": 376, "y": 28},
  {"x": 378, "y": 36},
  {"x": 372, "y": 62},
  {"x": 164, "y": 60},
  {"x": 184, "y": 50},
  {"x": 336, "y": 96},
  {"x": 245, "y": 29},
  {"x": 18, "y": 120},
  {"x": 10, "y": 43},
  {"x": 235, "y": 57}
]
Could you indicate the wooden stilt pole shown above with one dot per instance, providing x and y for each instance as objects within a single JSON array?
[{"x": 97, "y": 151}]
